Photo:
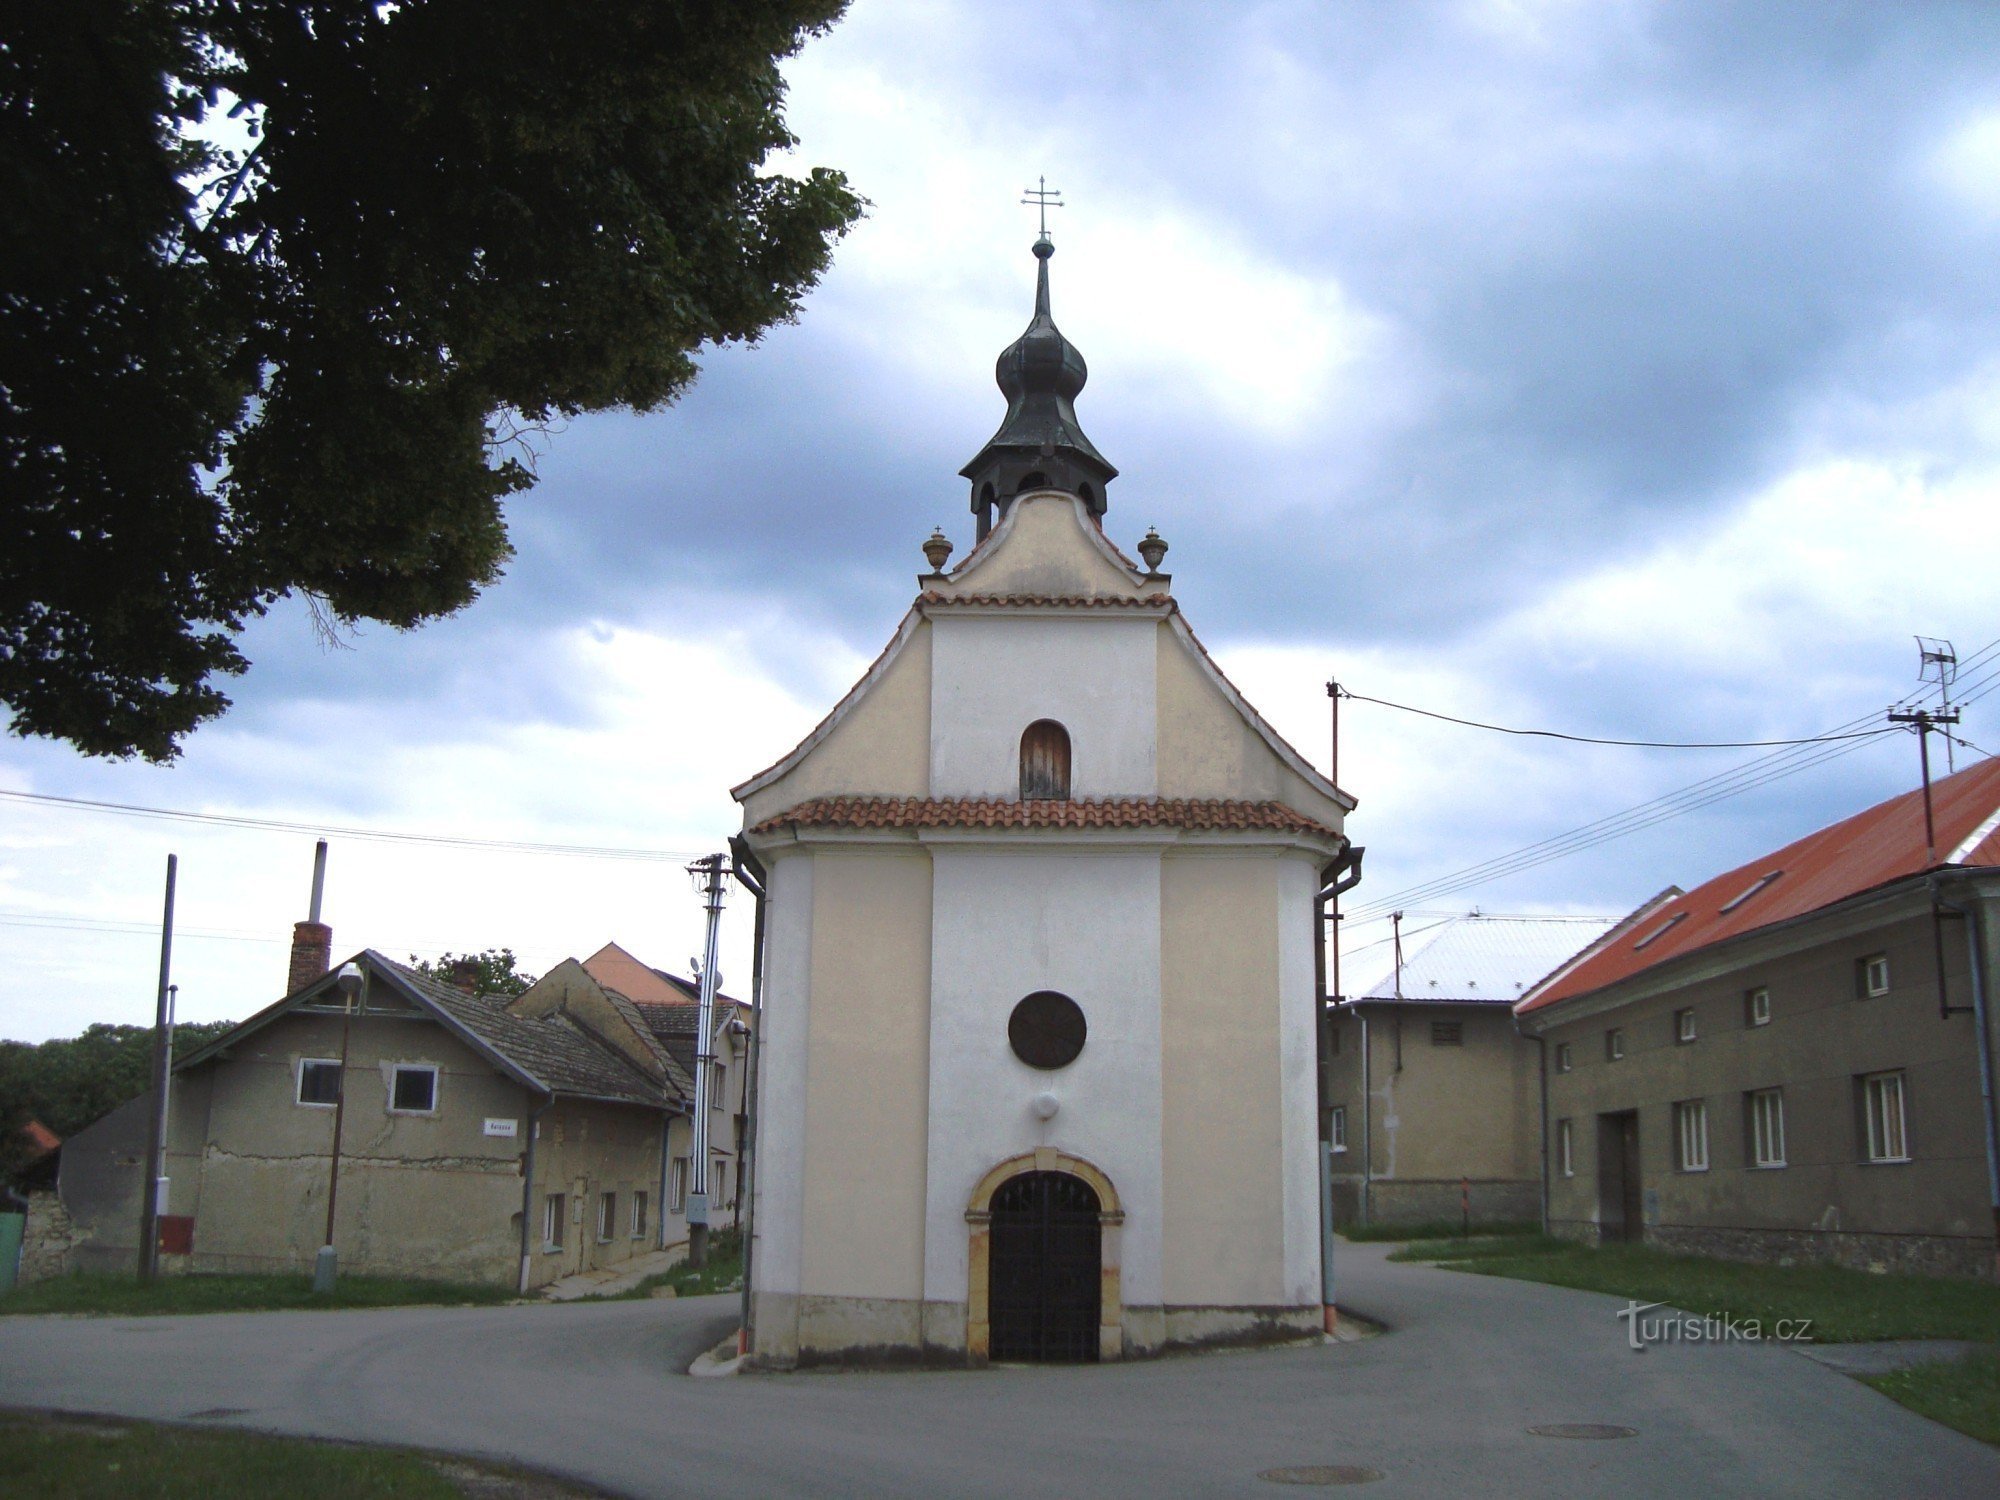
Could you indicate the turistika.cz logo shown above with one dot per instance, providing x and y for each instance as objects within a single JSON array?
[{"x": 1646, "y": 1324}]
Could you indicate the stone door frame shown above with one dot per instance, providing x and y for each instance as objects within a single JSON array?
[{"x": 979, "y": 1219}]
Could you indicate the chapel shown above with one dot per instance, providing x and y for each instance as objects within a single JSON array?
[{"x": 1043, "y": 899}]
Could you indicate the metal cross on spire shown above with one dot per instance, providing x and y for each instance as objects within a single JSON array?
[{"x": 1045, "y": 198}]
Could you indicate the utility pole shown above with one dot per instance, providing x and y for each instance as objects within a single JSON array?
[
  {"x": 1936, "y": 656},
  {"x": 708, "y": 873},
  {"x": 1922, "y": 721},
  {"x": 154, "y": 1190},
  {"x": 326, "y": 1265}
]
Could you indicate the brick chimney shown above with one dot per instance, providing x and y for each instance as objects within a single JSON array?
[
  {"x": 312, "y": 954},
  {"x": 464, "y": 975}
]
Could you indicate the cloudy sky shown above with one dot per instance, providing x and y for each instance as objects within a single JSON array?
[{"x": 1625, "y": 369}]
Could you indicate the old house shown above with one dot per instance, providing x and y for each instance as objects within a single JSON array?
[
  {"x": 1793, "y": 1059},
  {"x": 422, "y": 1129},
  {"x": 1037, "y": 1066},
  {"x": 1433, "y": 1089}
]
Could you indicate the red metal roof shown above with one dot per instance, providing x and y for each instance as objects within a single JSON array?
[
  {"x": 1872, "y": 848},
  {"x": 997, "y": 812}
]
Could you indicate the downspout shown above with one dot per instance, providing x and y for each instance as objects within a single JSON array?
[
  {"x": 1542, "y": 1069},
  {"x": 1975, "y": 949},
  {"x": 666, "y": 1162},
  {"x": 1367, "y": 1115},
  {"x": 528, "y": 1194},
  {"x": 1342, "y": 874},
  {"x": 750, "y": 871}
]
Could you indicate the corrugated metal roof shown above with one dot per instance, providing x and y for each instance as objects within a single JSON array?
[
  {"x": 1881, "y": 844},
  {"x": 1476, "y": 958}
]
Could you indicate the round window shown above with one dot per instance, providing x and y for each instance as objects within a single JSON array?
[{"x": 1047, "y": 1030}]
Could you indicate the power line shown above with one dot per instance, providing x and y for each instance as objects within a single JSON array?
[
  {"x": 1588, "y": 739},
  {"x": 378, "y": 835}
]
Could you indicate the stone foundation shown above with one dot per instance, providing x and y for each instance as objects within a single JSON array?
[
  {"x": 1903, "y": 1254},
  {"x": 49, "y": 1240}
]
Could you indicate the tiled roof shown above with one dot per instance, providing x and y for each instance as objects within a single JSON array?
[
  {"x": 932, "y": 598},
  {"x": 1873, "y": 848},
  {"x": 1479, "y": 959},
  {"x": 996, "y": 812},
  {"x": 554, "y": 1049}
]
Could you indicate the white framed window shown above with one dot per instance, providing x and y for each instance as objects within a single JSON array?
[
  {"x": 718, "y": 1078},
  {"x": 1337, "y": 1131},
  {"x": 607, "y": 1216},
  {"x": 413, "y": 1089},
  {"x": 677, "y": 1186},
  {"x": 1885, "y": 1136},
  {"x": 1614, "y": 1044},
  {"x": 1684, "y": 1024},
  {"x": 319, "y": 1082},
  {"x": 1564, "y": 1060},
  {"x": 1566, "y": 1148},
  {"x": 1767, "y": 1127},
  {"x": 1691, "y": 1135},
  {"x": 554, "y": 1216},
  {"x": 1871, "y": 976},
  {"x": 1757, "y": 1006},
  {"x": 638, "y": 1216}
]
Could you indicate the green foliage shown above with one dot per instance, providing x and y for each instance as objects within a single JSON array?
[
  {"x": 1962, "y": 1393},
  {"x": 286, "y": 283},
  {"x": 1843, "y": 1305},
  {"x": 1435, "y": 1229},
  {"x": 85, "y": 1459},
  {"x": 723, "y": 1273},
  {"x": 490, "y": 973},
  {"x": 126, "y": 1296},
  {"x": 71, "y": 1081}
]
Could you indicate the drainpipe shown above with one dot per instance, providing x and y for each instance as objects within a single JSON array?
[
  {"x": 666, "y": 1161},
  {"x": 1975, "y": 949},
  {"x": 1367, "y": 1115},
  {"x": 1542, "y": 1070},
  {"x": 528, "y": 1194},
  {"x": 750, "y": 871}
]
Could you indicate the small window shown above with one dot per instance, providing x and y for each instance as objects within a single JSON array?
[
  {"x": 554, "y": 1216},
  {"x": 1565, "y": 1148},
  {"x": 1883, "y": 1134},
  {"x": 1614, "y": 1044},
  {"x": 1564, "y": 1059},
  {"x": 1661, "y": 931},
  {"x": 1333, "y": 1038},
  {"x": 1684, "y": 1024},
  {"x": 1691, "y": 1135},
  {"x": 677, "y": 1189},
  {"x": 1045, "y": 762},
  {"x": 607, "y": 1216},
  {"x": 1766, "y": 1111},
  {"x": 1337, "y": 1131},
  {"x": 319, "y": 1081},
  {"x": 1757, "y": 1007},
  {"x": 720, "y": 1197},
  {"x": 1871, "y": 976},
  {"x": 413, "y": 1089},
  {"x": 1750, "y": 890},
  {"x": 715, "y": 1085},
  {"x": 638, "y": 1216},
  {"x": 1447, "y": 1033}
]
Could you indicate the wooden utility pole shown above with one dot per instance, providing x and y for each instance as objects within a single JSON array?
[{"x": 153, "y": 1173}]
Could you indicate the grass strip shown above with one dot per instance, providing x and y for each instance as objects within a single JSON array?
[
  {"x": 1963, "y": 1393},
  {"x": 126, "y": 1296},
  {"x": 1435, "y": 1229}
]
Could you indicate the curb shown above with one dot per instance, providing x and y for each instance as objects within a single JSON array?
[{"x": 719, "y": 1362}]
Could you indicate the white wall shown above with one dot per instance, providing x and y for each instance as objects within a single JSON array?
[
  {"x": 781, "y": 1086},
  {"x": 994, "y": 675},
  {"x": 1007, "y": 924}
]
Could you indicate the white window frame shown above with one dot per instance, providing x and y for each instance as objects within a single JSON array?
[
  {"x": 1767, "y": 1127},
  {"x": 1691, "y": 1135},
  {"x": 1757, "y": 1006},
  {"x": 1337, "y": 1128},
  {"x": 1614, "y": 1044},
  {"x": 1874, "y": 975},
  {"x": 397, "y": 1070},
  {"x": 718, "y": 1084},
  {"x": 1565, "y": 1060},
  {"x": 1566, "y": 1147},
  {"x": 607, "y": 1216},
  {"x": 1684, "y": 1030},
  {"x": 1884, "y": 1113},
  {"x": 299, "y": 1083},
  {"x": 553, "y": 1220},
  {"x": 638, "y": 1216},
  {"x": 677, "y": 1190}
]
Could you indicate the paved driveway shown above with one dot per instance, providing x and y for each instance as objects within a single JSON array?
[{"x": 1441, "y": 1405}]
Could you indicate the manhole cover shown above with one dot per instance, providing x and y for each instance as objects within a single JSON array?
[
  {"x": 1583, "y": 1430},
  {"x": 1327, "y": 1474}
]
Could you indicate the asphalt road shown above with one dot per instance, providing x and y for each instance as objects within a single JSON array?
[{"x": 1441, "y": 1405}]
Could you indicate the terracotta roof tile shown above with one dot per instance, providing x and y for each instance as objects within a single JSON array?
[
  {"x": 1873, "y": 848},
  {"x": 997, "y": 812}
]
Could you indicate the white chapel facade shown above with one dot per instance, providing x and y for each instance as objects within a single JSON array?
[{"x": 1038, "y": 1038}]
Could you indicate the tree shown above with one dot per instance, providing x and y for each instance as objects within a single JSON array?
[
  {"x": 283, "y": 283},
  {"x": 489, "y": 973}
]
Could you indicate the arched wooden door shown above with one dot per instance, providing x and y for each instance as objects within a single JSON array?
[{"x": 1047, "y": 1270}]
